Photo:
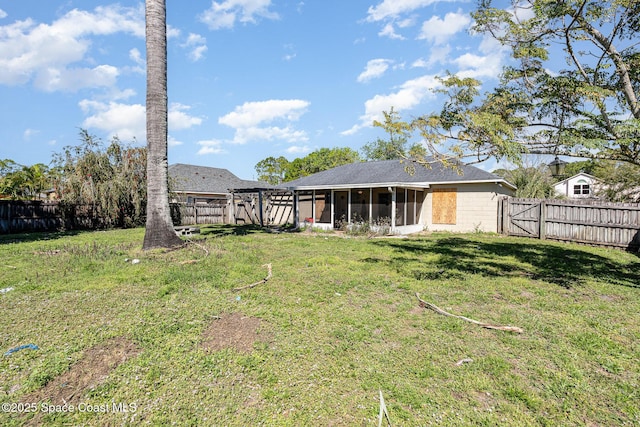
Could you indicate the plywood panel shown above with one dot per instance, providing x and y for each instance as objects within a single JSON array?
[{"x": 444, "y": 206}]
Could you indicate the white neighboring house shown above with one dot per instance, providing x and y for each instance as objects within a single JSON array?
[{"x": 579, "y": 186}]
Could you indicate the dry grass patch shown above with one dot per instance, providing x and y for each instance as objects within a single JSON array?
[{"x": 235, "y": 331}]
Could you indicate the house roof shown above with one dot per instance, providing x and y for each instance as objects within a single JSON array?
[
  {"x": 393, "y": 173},
  {"x": 207, "y": 180}
]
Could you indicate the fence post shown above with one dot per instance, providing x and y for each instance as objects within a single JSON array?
[
  {"x": 260, "y": 203},
  {"x": 543, "y": 219},
  {"x": 9, "y": 218},
  {"x": 506, "y": 210}
]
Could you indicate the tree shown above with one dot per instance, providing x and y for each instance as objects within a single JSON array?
[
  {"x": 396, "y": 146},
  {"x": 621, "y": 181},
  {"x": 320, "y": 160},
  {"x": 587, "y": 109},
  {"x": 532, "y": 181},
  {"x": 272, "y": 170},
  {"x": 159, "y": 232},
  {"x": 587, "y": 166},
  {"x": 110, "y": 180},
  {"x": 24, "y": 182}
]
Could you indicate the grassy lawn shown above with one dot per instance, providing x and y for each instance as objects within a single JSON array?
[{"x": 337, "y": 323}]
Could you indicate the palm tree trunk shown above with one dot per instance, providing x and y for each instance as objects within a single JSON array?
[{"x": 159, "y": 231}]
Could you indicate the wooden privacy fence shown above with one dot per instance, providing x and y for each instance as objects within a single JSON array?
[
  {"x": 17, "y": 216},
  {"x": 23, "y": 216},
  {"x": 210, "y": 213},
  {"x": 266, "y": 208},
  {"x": 589, "y": 221}
]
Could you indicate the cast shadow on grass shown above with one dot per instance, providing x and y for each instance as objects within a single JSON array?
[
  {"x": 221, "y": 230},
  {"x": 564, "y": 266},
  {"x": 39, "y": 236}
]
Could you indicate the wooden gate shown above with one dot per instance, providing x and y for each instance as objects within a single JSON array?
[
  {"x": 593, "y": 222},
  {"x": 521, "y": 217}
]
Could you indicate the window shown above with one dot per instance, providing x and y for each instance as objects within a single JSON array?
[{"x": 581, "y": 188}]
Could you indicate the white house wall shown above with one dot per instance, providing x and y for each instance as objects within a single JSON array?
[
  {"x": 566, "y": 187},
  {"x": 476, "y": 208}
]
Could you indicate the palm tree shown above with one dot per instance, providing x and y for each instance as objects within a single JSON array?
[{"x": 159, "y": 231}]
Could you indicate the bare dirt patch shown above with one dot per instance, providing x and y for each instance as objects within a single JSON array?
[
  {"x": 235, "y": 331},
  {"x": 90, "y": 371}
]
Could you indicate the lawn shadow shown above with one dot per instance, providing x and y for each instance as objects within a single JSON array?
[
  {"x": 221, "y": 230},
  {"x": 562, "y": 265},
  {"x": 38, "y": 236}
]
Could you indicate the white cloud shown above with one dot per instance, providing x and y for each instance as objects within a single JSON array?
[
  {"x": 295, "y": 149},
  {"x": 437, "y": 55},
  {"x": 477, "y": 66},
  {"x": 179, "y": 119},
  {"x": 389, "y": 31},
  {"x": 269, "y": 133},
  {"x": 28, "y": 133},
  {"x": 44, "y": 52},
  {"x": 116, "y": 95},
  {"x": 172, "y": 142},
  {"x": 3, "y": 14},
  {"x": 128, "y": 121},
  {"x": 419, "y": 63},
  {"x": 488, "y": 65},
  {"x": 291, "y": 52},
  {"x": 393, "y": 8},
  {"x": 197, "y": 46},
  {"x": 172, "y": 32},
  {"x": 225, "y": 14},
  {"x": 136, "y": 56},
  {"x": 253, "y": 113},
  {"x": 522, "y": 12},
  {"x": 375, "y": 68},
  {"x": 409, "y": 95},
  {"x": 250, "y": 120},
  {"x": 72, "y": 79},
  {"x": 438, "y": 31},
  {"x": 212, "y": 146}
]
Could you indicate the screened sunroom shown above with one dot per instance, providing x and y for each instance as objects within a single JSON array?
[{"x": 378, "y": 206}]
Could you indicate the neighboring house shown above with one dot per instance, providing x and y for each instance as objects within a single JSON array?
[
  {"x": 581, "y": 185},
  {"x": 204, "y": 184},
  {"x": 384, "y": 192},
  {"x": 211, "y": 195}
]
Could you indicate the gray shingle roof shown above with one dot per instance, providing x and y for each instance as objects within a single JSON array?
[
  {"x": 205, "y": 179},
  {"x": 392, "y": 172}
]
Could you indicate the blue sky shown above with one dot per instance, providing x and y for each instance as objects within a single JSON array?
[{"x": 248, "y": 79}]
